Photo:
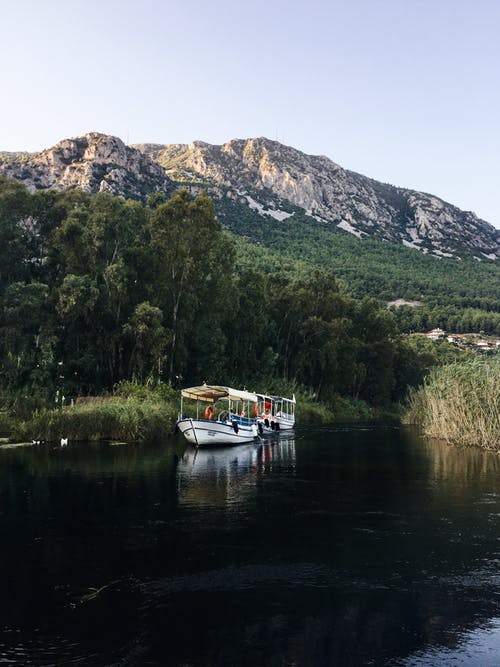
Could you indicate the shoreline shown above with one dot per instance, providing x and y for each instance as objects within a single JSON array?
[{"x": 149, "y": 418}]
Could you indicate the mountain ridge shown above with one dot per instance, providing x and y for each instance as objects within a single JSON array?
[
  {"x": 327, "y": 192},
  {"x": 269, "y": 178},
  {"x": 94, "y": 162}
]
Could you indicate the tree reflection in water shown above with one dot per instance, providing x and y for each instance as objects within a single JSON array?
[{"x": 331, "y": 546}]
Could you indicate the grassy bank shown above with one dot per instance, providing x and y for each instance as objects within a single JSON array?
[
  {"x": 460, "y": 403},
  {"x": 137, "y": 412},
  {"x": 133, "y": 413},
  {"x": 342, "y": 409},
  {"x": 338, "y": 409}
]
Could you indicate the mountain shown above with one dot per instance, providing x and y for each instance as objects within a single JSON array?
[
  {"x": 261, "y": 179},
  {"x": 94, "y": 163},
  {"x": 280, "y": 181}
]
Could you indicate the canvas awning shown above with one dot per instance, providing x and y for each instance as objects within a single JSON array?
[{"x": 212, "y": 393}]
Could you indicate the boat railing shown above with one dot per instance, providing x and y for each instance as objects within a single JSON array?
[{"x": 242, "y": 420}]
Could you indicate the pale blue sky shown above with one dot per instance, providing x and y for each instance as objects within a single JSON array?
[{"x": 407, "y": 92}]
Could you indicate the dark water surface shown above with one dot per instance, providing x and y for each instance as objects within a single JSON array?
[{"x": 331, "y": 546}]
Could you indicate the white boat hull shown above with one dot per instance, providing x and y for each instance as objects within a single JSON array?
[
  {"x": 202, "y": 432},
  {"x": 275, "y": 424}
]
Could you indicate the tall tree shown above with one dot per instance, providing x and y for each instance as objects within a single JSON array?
[
  {"x": 15, "y": 222},
  {"x": 192, "y": 262}
]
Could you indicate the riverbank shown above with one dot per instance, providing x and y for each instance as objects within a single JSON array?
[
  {"x": 113, "y": 418},
  {"x": 460, "y": 403},
  {"x": 138, "y": 413}
]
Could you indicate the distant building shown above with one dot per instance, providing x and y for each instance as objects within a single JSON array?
[
  {"x": 457, "y": 339},
  {"x": 435, "y": 334}
]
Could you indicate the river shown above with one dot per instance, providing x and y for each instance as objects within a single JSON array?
[{"x": 350, "y": 545}]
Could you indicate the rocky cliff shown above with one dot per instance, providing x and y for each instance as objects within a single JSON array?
[
  {"x": 269, "y": 178},
  {"x": 94, "y": 163}
]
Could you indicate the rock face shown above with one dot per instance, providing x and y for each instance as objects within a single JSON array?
[
  {"x": 270, "y": 178},
  {"x": 93, "y": 163}
]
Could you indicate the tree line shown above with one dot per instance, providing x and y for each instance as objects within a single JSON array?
[
  {"x": 461, "y": 295},
  {"x": 96, "y": 289}
]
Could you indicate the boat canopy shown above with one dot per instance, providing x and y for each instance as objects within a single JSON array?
[
  {"x": 212, "y": 393},
  {"x": 263, "y": 397}
]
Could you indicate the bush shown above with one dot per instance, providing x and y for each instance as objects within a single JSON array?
[
  {"x": 148, "y": 391},
  {"x": 6, "y": 425}
]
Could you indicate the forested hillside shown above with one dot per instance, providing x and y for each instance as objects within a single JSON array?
[
  {"x": 461, "y": 295},
  {"x": 96, "y": 289}
]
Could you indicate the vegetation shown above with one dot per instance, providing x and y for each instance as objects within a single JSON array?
[
  {"x": 460, "y": 403},
  {"x": 457, "y": 295},
  {"x": 112, "y": 418},
  {"x": 101, "y": 295},
  {"x": 135, "y": 412}
]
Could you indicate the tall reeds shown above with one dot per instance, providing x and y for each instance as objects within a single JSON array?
[
  {"x": 116, "y": 418},
  {"x": 460, "y": 403}
]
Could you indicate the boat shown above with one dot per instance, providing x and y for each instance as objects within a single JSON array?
[
  {"x": 228, "y": 416},
  {"x": 275, "y": 413}
]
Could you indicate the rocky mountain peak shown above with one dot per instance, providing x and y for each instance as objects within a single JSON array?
[
  {"x": 254, "y": 169},
  {"x": 94, "y": 162},
  {"x": 268, "y": 177}
]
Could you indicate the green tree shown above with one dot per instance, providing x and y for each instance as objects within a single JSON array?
[
  {"x": 148, "y": 342},
  {"x": 192, "y": 262},
  {"x": 15, "y": 223},
  {"x": 26, "y": 338}
]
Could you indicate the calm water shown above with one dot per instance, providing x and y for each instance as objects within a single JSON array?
[{"x": 334, "y": 546}]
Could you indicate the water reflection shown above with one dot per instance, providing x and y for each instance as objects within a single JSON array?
[
  {"x": 227, "y": 476},
  {"x": 328, "y": 546},
  {"x": 460, "y": 465},
  {"x": 478, "y": 648}
]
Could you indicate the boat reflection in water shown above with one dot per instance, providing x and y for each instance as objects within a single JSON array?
[
  {"x": 228, "y": 475},
  {"x": 332, "y": 545}
]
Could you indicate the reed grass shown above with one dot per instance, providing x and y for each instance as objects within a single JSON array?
[
  {"x": 114, "y": 418},
  {"x": 460, "y": 403}
]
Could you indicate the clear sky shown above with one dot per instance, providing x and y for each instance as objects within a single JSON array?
[{"x": 404, "y": 91}]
